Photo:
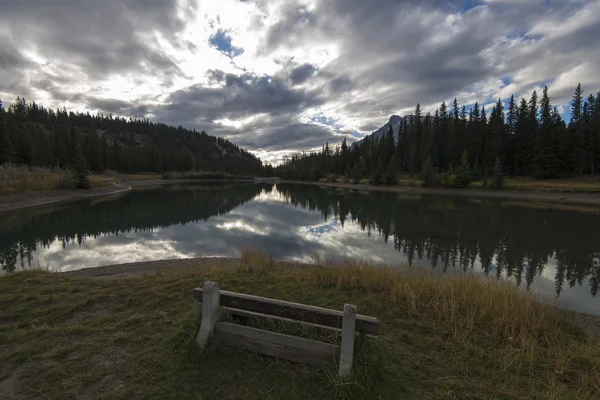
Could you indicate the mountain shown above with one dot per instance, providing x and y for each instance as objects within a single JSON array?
[{"x": 395, "y": 121}]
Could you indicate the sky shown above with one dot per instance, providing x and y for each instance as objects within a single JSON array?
[{"x": 281, "y": 76}]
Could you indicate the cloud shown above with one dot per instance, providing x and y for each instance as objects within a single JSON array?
[
  {"x": 302, "y": 73},
  {"x": 261, "y": 72}
]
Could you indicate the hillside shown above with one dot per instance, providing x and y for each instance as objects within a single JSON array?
[{"x": 36, "y": 136}]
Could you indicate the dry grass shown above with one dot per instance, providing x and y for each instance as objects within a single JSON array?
[
  {"x": 140, "y": 176},
  {"x": 448, "y": 337},
  {"x": 581, "y": 185},
  {"x": 18, "y": 179}
]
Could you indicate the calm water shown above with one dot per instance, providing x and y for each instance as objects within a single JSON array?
[{"x": 552, "y": 252}]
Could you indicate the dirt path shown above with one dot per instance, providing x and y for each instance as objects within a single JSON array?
[
  {"x": 589, "y": 199},
  {"x": 43, "y": 197},
  {"x": 32, "y": 199}
]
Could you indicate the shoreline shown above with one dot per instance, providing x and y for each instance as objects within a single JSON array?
[
  {"x": 590, "y": 322},
  {"x": 552, "y": 198},
  {"x": 46, "y": 197}
]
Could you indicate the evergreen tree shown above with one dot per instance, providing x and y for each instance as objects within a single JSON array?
[
  {"x": 79, "y": 168},
  {"x": 427, "y": 174},
  {"x": 391, "y": 175},
  {"x": 498, "y": 174},
  {"x": 510, "y": 139},
  {"x": 577, "y": 105},
  {"x": 497, "y": 133},
  {"x": 359, "y": 170},
  {"x": 463, "y": 175},
  {"x": 545, "y": 158},
  {"x": 377, "y": 175},
  {"x": 345, "y": 157},
  {"x": 575, "y": 146},
  {"x": 521, "y": 139},
  {"x": 417, "y": 133},
  {"x": 530, "y": 134},
  {"x": 6, "y": 149}
]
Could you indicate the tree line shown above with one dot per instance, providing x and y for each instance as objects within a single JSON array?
[
  {"x": 36, "y": 136},
  {"x": 525, "y": 138}
]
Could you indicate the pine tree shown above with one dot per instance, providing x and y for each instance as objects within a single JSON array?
[
  {"x": 463, "y": 175},
  {"x": 577, "y": 105},
  {"x": 427, "y": 174},
  {"x": 521, "y": 144},
  {"x": 6, "y": 149},
  {"x": 79, "y": 169},
  {"x": 359, "y": 170},
  {"x": 498, "y": 174},
  {"x": 575, "y": 146},
  {"x": 545, "y": 158},
  {"x": 378, "y": 174},
  {"x": 510, "y": 139},
  {"x": 345, "y": 157},
  {"x": 417, "y": 132},
  {"x": 497, "y": 131},
  {"x": 391, "y": 175}
]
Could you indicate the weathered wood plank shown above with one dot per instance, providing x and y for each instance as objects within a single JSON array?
[
  {"x": 273, "y": 344},
  {"x": 294, "y": 311},
  {"x": 210, "y": 312},
  {"x": 265, "y": 317},
  {"x": 347, "y": 345}
]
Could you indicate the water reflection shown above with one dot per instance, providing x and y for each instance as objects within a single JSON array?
[{"x": 554, "y": 252}]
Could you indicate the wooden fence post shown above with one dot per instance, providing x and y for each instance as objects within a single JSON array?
[
  {"x": 210, "y": 311},
  {"x": 347, "y": 346}
]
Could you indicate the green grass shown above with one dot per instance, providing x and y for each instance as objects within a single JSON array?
[{"x": 442, "y": 338}]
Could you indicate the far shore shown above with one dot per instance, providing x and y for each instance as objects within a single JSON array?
[
  {"x": 550, "y": 198},
  {"x": 45, "y": 197}
]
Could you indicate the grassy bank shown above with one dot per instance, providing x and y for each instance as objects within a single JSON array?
[
  {"x": 572, "y": 185},
  {"x": 133, "y": 338},
  {"x": 19, "y": 179}
]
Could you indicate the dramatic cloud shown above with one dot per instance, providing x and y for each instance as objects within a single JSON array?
[{"x": 281, "y": 76}]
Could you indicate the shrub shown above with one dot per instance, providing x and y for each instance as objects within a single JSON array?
[{"x": 452, "y": 180}]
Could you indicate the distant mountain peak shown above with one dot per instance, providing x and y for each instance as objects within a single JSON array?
[{"x": 395, "y": 121}]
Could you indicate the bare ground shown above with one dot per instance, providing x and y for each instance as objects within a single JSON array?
[
  {"x": 39, "y": 198},
  {"x": 32, "y": 199}
]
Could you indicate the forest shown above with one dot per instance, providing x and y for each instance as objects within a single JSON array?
[
  {"x": 455, "y": 146},
  {"x": 32, "y": 135}
]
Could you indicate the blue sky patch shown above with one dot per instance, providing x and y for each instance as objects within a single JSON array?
[{"x": 221, "y": 40}]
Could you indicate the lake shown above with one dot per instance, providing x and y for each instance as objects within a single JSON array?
[{"x": 553, "y": 252}]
